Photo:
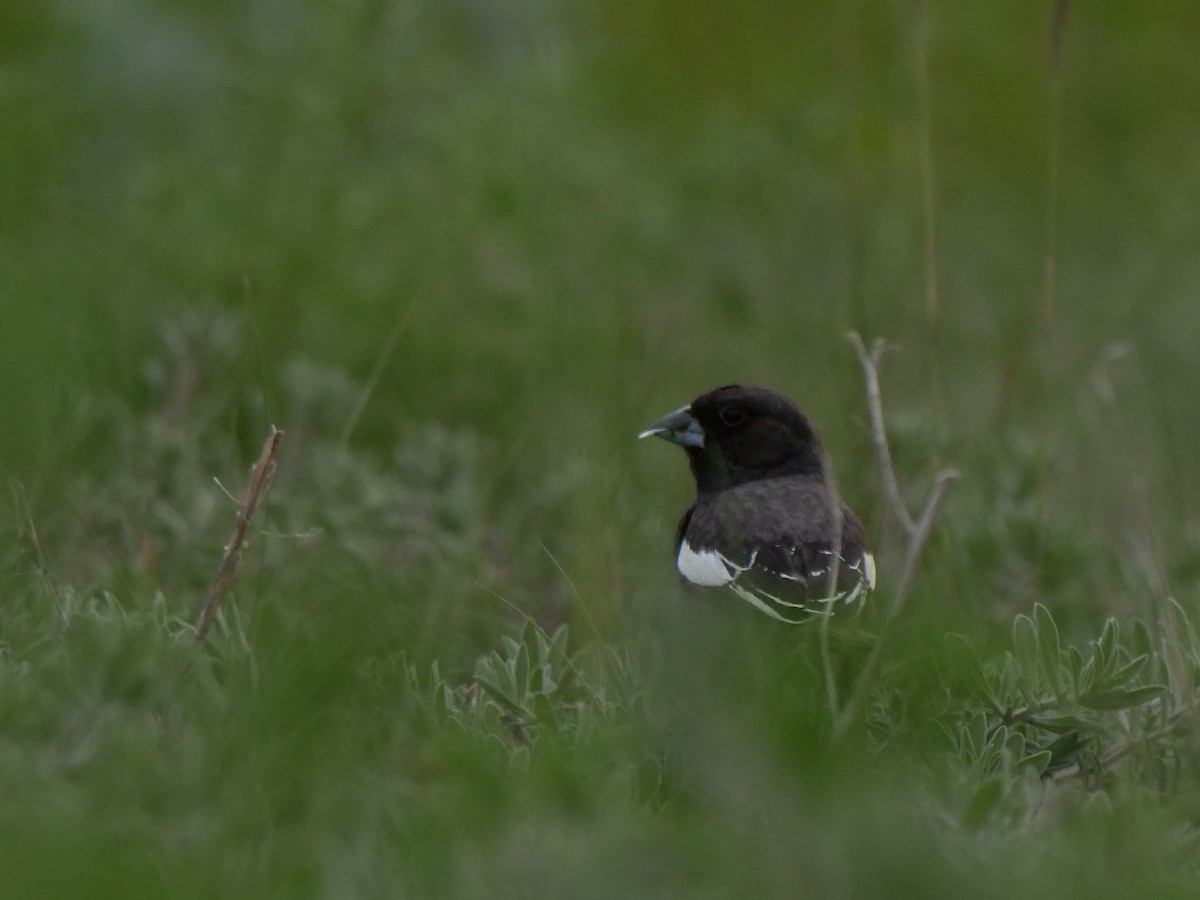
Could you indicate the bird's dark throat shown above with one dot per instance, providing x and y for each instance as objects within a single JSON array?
[{"x": 714, "y": 471}]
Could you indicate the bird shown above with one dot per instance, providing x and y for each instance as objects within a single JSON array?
[{"x": 767, "y": 523}]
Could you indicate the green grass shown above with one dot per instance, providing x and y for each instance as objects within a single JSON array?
[{"x": 454, "y": 662}]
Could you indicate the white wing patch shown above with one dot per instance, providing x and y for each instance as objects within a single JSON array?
[
  {"x": 711, "y": 568},
  {"x": 708, "y": 568},
  {"x": 868, "y": 570}
]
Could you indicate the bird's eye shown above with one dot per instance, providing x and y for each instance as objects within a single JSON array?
[{"x": 731, "y": 416}]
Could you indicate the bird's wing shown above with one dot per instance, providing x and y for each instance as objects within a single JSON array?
[
  {"x": 773, "y": 545},
  {"x": 791, "y": 577},
  {"x": 783, "y": 579}
]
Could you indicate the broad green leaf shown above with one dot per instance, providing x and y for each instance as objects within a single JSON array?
[
  {"x": 964, "y": 659},
  {"x": 1064, "y": 749},
  {"x": 998, "y": 738},
  {"x": 983, "y": 802},
  {"x": 1185, "y": 625},
  {"x": 1014, "y": 746},
  {"x": 504, "y": 699},
  {"x": 529, "y": 633},
  {"x": 545, "y": 711},
  {"x": 1179, "y": 652},
  {"x": 441, "y": 701},
  {"x": 539, "y": 648},
  {"x": 1049, "y": 648},
  {"x": 1128, "y": 672},
  {"x": 540, "y": 679},
  {"x": 1058, "y": 724},
  {"x": 1087, "y": 677},
  {"x": 1122, "y": 699},
  {"x": 521, "y": 672},
  {"x": 989, "y": 759},
  {"x": 1106, "y": 648},
  {"x": 975, "y": 734},
  {"x": 1039, "y": 762},
  {"x": 1025, "y": 645},
  {"x": 1075, "y": 664},
  {"x": 560, "y": 639}
]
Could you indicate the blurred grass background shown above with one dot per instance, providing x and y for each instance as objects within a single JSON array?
[{"x": 571, "y": 218}]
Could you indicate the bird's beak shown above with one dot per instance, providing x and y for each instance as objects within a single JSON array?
[{"x": 680, "y": 427}]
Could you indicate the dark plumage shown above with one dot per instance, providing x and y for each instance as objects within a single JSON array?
[{"x": 766, "y": 522}]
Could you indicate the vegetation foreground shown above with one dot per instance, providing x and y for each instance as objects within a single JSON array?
[{"x": 295, "y": 751}]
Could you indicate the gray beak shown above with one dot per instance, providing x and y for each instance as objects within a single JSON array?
[{"x": 680, "y": 427}]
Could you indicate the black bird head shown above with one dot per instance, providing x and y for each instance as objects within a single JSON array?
[{"x": 736, "y": 434}]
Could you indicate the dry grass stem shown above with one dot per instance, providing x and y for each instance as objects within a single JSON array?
[
  {"x": 883, "y": 455},
  {"x": 260, "y": 478},
  {"x": 917, "y": 530}
]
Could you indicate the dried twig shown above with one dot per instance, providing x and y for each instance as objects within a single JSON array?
[
  {"x": 870, "y": 367},
  {"x": 919, "y": 537},
  {"x": 260, "y": 477},
  {"x": 917, "y": 530}
]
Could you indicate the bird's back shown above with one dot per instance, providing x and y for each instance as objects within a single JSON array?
[{"x": 775, "y": 543}]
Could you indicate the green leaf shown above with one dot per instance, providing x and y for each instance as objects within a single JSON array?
[
  {"x": 536, "y": 643},
  {"x": 1025, "y": 644},
  {"x": 1039, "y": 762},
  {"x": 545, "y": 711},
  {"x": 1181, "y": 651},
  {"x": 441, "y": 702},
  {"x": 540, "y": 679},
  {"x": 1064, "y": 749},
  {"x": 964, "y": 659},
  {"x": 1075, "y": 664},
  {"x": 989, "y": 758},
  {"x": 1106, "y": 648},
  {"x": 974, "y": 734},
  {"x": 509, "y": 703},
  {"x": 521, "y": 672},
  {"x": 1058, "y": 724},
  {"x": 528, "y": 633},
  {"x": 1087, "y": 677},
  {"x": 1185, "y": 624},
  {"x": 1122, "y": 699},
  {"x": 1015, "y": 745},
  {"x": 1128, "y": 672},
  {"x": 1141, "y": 640},
  {"x": 560, "y": 639},
  {"x": 983, "y": 802},
  {"x": 1049, "y": 647},
  {"x": 1144, "y": 644}
]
